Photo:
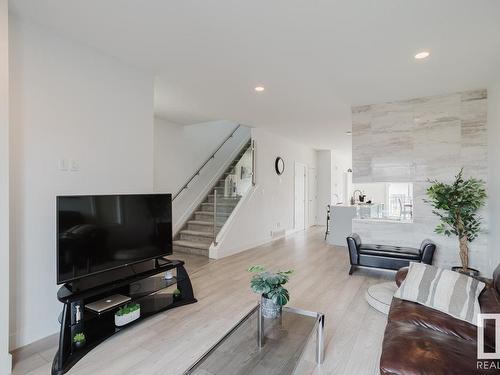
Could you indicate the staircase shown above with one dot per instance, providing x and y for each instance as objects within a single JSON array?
[{"x": 200, "y": 230}]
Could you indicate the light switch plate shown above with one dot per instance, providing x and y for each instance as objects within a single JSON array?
[
  {"x": 74, "y": 165},
  {"x": 63, "y": 165}
]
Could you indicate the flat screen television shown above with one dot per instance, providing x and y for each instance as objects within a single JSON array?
[{"x": 100, "y": 233}]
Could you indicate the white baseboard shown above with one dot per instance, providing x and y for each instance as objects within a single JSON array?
[
  {"x": 214, "y": 255},
  {"x": 6, "y": 363}
]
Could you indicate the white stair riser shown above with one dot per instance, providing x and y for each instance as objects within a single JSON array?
[
  {"x": 209, "y": 207},
  {"x": 204, "y": 216},
  {"x": 195, "y": 238},
  {"x": 209, "y": 216},
  {"x": 222, "y": 200},
  {"x": 189, "y": 250},
  {"x": 200, "y": 228}
]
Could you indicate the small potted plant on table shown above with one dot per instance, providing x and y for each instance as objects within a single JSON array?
[
  {"x": 79, "y": 340},
  {"x": 127, "y": 314},
  {"x": 457, "y": 205},
  {"x": 177, "y": 295},
  {"x": 270, "y": 286}
]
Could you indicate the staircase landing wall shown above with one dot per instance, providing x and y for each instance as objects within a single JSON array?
[{"x": 189, "y": 199}]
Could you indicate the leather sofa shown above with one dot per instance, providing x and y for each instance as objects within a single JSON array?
[
  {"x": 385, "y": 256},
  {"x": 421, "y": 340}
]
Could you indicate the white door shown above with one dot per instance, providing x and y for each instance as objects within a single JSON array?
[
  {"x": 300, "y": 196},
  {"x": 313, "y": 198}
]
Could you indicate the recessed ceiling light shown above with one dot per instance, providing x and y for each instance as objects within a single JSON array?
[
  {"x": 422, "y": 55},
  {"x": 349, "y": 132},
  {"x": 259, "y": 88}
]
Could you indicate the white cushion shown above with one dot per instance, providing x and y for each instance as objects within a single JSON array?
[{"x": 447, "y": 291}]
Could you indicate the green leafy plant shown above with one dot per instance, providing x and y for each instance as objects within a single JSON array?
[
  {"x": 177, "y": 293},
  {"x": 127, "y": 309},
  {"x": 270, "y": 285},
  {"x": 457, "y": 205},
  {"x": 79, "y": 337}
]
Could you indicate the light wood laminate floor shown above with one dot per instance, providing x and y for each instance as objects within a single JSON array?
[{"x": 171, "y": 341}]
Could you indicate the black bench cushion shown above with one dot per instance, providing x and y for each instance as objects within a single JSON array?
[{"x": 408, "y": 253}]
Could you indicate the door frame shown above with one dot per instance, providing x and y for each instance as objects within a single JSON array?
[
  {"x": 306, "y": 205},
  {"x": 312, "y": 196}
]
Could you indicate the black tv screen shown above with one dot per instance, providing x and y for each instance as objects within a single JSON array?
[{"x": 97, "y": 233}]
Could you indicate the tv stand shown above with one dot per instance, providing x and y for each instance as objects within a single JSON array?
[{"x": 142, "y": 288}]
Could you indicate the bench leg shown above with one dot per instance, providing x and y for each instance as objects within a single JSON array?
[{"x": 351, "y": 270}]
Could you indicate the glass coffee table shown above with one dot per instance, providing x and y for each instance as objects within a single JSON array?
[{"x": 256, "y": 345}]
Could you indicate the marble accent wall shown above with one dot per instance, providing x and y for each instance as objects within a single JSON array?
[{"x": 411, "y": 141}]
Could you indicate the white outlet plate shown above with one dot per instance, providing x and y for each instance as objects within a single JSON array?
[
  {"x": 62, "y": 165},
  {"x": 74, "y": 165}
]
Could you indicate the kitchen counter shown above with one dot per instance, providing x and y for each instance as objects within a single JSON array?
[
  {"x": 381, "y": 220},
  {"x": 341, "y": 217}
]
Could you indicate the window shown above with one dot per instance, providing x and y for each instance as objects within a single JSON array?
[
  {"x": 384, "y": 200},
  {"x": 399, "y": 200}
]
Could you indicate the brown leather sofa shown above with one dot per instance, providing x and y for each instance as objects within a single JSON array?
[{"x": 420, "y": 340}]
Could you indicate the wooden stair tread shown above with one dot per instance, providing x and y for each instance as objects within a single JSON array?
[
  {"x": 200, "y": 222},
  {"x": 197, "y": 233},
  {"x": 222, "y": 197},
  {"x": 211, "y": 213},
  {"x": 222, "y": 204},
  {"x": 192, "y": 244}
]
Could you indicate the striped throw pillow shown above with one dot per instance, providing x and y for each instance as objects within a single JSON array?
[{"x": 450, "y": 292}]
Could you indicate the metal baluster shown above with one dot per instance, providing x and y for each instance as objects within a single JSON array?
[
  {"x": 320, "y": 340},
  {"x": 260, "y": 327},
  {"x": 215, "y": 217},
  {"x": 253, "y": 164}
]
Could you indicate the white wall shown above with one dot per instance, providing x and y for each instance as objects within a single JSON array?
[
  {"x": 270, "y": 204},
  {"x": 494, "y": 172},
  {"x": 324, "y": 168},
  {"x": 5, "y": 360},
  {"x": 67, "y": 102},
  {"x": 375, "y": 191},
  {"x": 332, "y": 189},
  {"x": 181, "y": 149},
  {"x": 340, "y": 164}
]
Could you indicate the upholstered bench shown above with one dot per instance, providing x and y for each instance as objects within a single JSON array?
[{"x": 386, "y": 256}]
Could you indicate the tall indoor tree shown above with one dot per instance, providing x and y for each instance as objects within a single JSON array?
[{"x": 457, "y": 205}]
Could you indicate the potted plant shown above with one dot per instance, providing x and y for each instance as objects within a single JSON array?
[
  {"x": 79, "y": 340},
  {"x": 270, "y": 286},
  {"x": 177, "y": 295},
  {"x": 457, "y": 205},
  {"x": 127, "y": 314}
]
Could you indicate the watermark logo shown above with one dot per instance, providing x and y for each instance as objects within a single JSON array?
[{"x": 488, "y": 355}]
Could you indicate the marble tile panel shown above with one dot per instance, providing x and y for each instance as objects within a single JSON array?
[
  {"x": 393, "y": 145},
  {"x": 474, "y": 134},
  {"x": 430, "y": 137},
  {"x": 435, "y": 171},
  {"x": 392, "y": 117},
  {"x": 437, "y": 109},
  {"x": 385, "y": 171},
  {"x": 361, "y": 117},
  {"x": 361, "y": 171},
  {"x": 473, "y": 94},
  {"x": 439, "y": 140},
  {"x": 474, "y": 111}
]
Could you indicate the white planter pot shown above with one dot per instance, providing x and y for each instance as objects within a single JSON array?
[{"x": 128, "y": 318}]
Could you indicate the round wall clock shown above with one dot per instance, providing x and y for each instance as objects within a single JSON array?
[{"x": 279, "y": 165}]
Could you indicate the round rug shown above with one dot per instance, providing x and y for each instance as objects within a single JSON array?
[{"x": 379, "y": 296}]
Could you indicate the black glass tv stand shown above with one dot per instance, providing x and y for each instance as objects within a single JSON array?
[{"x": 142, "y": 289}]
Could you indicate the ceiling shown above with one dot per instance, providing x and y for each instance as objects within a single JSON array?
[{"x": 315, "y": 58}]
